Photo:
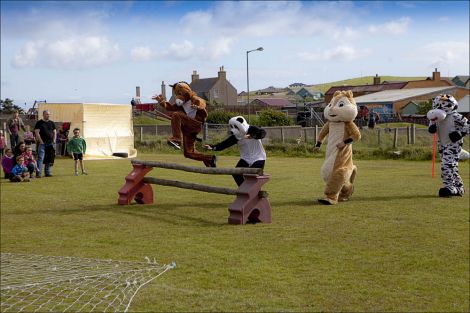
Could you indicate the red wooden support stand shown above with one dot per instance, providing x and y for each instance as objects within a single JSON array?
[
  {"x": 135, "y": 188},
  {"x": 250, "y": 206}
]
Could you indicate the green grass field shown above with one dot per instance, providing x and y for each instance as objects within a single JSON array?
[{"x": 395, "y": 247}]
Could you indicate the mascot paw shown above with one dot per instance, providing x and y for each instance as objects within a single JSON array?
[
  {"x": 460, "y": 192},
  {"x": 346, "y": 193},
  {"x": 455, "y": 136},
  {"x": 444, "y": 193},
  {"x": 327, "y": 201},
  {"x": 212, "y": 162}
]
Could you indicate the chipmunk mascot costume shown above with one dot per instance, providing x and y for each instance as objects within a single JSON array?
[
  {"x": 451, "y": 127},
  {"x": 338, "y": 170},
  {"x": 188, "y": 115},
  {"x": 248, "y": 138}
]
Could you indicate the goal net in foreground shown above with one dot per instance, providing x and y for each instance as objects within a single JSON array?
[{"x": 35, "y": 283}]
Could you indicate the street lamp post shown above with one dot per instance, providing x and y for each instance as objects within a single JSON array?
[{"x": 248, "y": 83}]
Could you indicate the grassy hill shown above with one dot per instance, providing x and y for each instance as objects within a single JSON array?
[
  {"x": 363, "y": 81},
  {"x": 147, "y": 120},
  {"x": 366, "y": 80}
]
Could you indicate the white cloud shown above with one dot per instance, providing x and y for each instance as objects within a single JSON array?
[
  {"x": 214, "y": 49},
  {"x": 396, "y": 27},
  {"x": 183, "y": 50},
  {"x": 345, "y": 34},
  {"x": 218, "y": 48},
  {"x": 70, "y": 53},
  {"x": 406, "y": 4},
  {"x": 338, "y": 53},
  {"x": 142, "y": 54},
  {"x": 196, "y": 20},
  {"x": 266, "y": 18},
  {"x": 440, "y": 54},
  {"x": 28, "y": 55}
]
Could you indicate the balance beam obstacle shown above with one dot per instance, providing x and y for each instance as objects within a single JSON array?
[{"x": 250, "y": 205}]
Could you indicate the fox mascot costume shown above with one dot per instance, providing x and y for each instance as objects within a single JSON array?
[{"x": 188, "y": 115}]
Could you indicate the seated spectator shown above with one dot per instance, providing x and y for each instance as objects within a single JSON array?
[
  {"x": 3, "y": 143},
  {"x": 28, "y": 136},
  {"x": 20, "y": 150},
  {"x": 30, "y": 161},
  {"x": 7, "y": 163},
  {"x": 19, "y": 171}
]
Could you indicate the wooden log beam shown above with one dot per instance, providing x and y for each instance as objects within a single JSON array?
[
  {"x": 201, "y": 170},
  {"x": 192, "y": 186}
]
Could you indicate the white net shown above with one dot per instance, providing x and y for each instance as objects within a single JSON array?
[{"x": 34, "y": 283}]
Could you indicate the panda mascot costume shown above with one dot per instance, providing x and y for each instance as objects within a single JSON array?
[
  {"x": 450, "y": 127},
  {"x": 248, "y": 138}
]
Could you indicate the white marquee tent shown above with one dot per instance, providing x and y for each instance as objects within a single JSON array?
[{"x": 107, "y": 128}]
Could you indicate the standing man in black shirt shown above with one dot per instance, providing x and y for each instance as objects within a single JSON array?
[{"x": 45, "y": 138}]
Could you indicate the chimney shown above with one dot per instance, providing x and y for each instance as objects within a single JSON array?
[
  {"x": 194, "y": 76},
  {"x": 376, "y": 79},
  {"x": 436, "y": 75},
  {"x": 222, "y": 75},
  {"x": 137, "y": 93},
  {"x": 163, "y": 90}
]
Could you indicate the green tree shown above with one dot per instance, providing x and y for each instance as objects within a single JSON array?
[
  {"x": 424, "y": 107},
  {"x": 271, "y": 117},
  {"x": 7, "y": 107},
  {"x": 220, "y": 117}
]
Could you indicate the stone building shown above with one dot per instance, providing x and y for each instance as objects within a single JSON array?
[{"x": 215, "y": 90}]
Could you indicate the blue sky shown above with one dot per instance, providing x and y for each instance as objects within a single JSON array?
[{"x": 92, "y": 51}]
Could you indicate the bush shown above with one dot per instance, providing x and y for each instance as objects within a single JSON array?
[
  {"x": 273, "y": 118},
  {"x": 220, "y": 117}
]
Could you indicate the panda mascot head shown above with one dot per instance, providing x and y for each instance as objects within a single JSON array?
[
  {"x": 238, "y": 127},
  {"x": 442, "y": 105}
]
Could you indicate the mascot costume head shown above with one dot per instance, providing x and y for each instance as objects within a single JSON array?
[
  {"x": 238, "y": 127},
  {"x": 183, "y": 93},
  {"x": 442, "y": 105},
  {"x": 342, "y": 107}
]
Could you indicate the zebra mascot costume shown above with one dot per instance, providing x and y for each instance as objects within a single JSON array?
[{"x": 451, "y": 127}]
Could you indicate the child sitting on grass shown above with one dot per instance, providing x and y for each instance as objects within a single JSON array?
[
  {"x": 30, "y": 162},
  {"x": 19, "y": 171},
  {"x": 77, "y": 147},
  {"x": 7, "y": 163},
  {"x": 3, "y": 143}
]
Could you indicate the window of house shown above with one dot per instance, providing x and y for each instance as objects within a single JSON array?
[{"x": 215, "y": 93}]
